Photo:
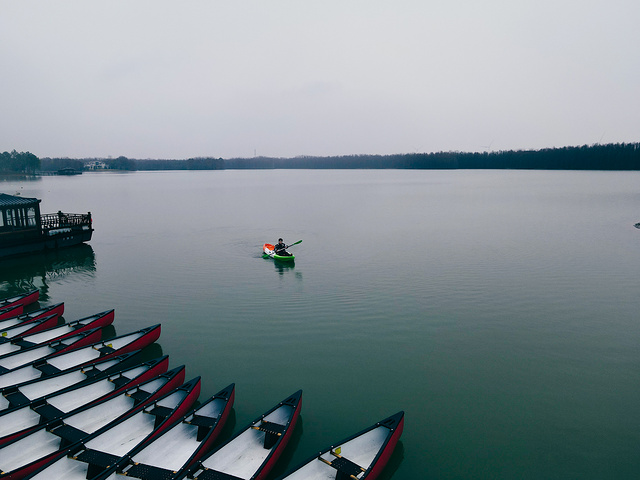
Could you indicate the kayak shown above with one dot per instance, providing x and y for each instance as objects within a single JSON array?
[
  {"x": 361, "y": 456},
  {"x": 178, "y": 447},
  {"x": 82, "y": 356},
  {"x": 23, "y": 299},
  {"x": 253, "y": 452},
  {"x": 269, "y": 251},
  {"x": 106, "y": 446},
  {"x": 37, "y": 448},
  {"x": 45, "y": 409}
]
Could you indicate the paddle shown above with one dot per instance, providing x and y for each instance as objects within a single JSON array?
[{"x": 299, "y": 241}]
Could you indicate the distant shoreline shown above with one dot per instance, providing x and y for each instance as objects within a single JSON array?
[{"x": 619, "y": 156}]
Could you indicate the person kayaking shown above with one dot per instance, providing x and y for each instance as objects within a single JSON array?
[{"x": 281, "y": 249}]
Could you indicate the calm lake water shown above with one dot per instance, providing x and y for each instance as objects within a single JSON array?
[{"x": 499, "y": 309}]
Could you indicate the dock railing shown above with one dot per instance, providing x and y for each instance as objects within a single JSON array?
[{"x": 52, "y": 221}]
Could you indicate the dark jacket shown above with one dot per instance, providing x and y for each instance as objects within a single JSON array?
[{"x": 281, "y": 249}]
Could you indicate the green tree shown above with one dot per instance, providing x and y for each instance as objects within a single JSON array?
[
  {"x": 121, "y": 163},
  {"x": 24, "y": 162}
]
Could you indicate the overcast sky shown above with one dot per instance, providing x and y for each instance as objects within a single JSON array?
[{"x": 234, "y": 78}]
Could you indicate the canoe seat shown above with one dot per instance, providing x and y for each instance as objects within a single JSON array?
[
  {"x": 15, "y": 397},
  {"x": 92, "y": 372},
  {"x": 120, "y": 381},
  {"x": 161, "y": 413},
  {"x": 46, "y": 411},
  {"x": 208, "y": 474},
  {"x": 98, "y": 461},
  {"x": 96, "y": 457},
  {"x": 138, "y": 396},
  {"x": 67, "y": 433},
  {"x": 346, "y": 469},
  {"x": 272, "y": 432},
  {"x": 204, "y": 424},
  {"x": 45, "y": 368},
  {"x": 58, "y": 346},
  {"x": 105, "y": 349},
  {"x": 24, "y": 344},
  {"x": 149, "y": 472},
  {"x": 202, "y": 421}
]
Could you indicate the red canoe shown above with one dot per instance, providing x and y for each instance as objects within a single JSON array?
[
  {"x": 361, "y": 456},
  {"x": 23, "y": 299}
]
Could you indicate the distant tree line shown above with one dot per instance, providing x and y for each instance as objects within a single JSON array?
[
  {"x": 618, "y": 156},
  {"x": 19, "y": 162},
  {"x": 621, "y": 156},
  {"x": 197, "y": 163},
  {"x": 124, "y": 163},
  {"x": 55, "y": 164}
]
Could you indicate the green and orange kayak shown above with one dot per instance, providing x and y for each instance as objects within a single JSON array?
[{"x": 270, "y": 251}]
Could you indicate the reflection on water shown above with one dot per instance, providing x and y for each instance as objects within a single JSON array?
[
  {"x": 394, "y": 462},
  {"x": 149, "y": 352},
  {"x": 286, "y": 267},
  {"x": 20, "y": 178},
  {"x": 498, "y": 309},
  {"x": 282, "y": 267},
  {"x": 40, "y": 270},
  {"x": 109, "y": 332}
]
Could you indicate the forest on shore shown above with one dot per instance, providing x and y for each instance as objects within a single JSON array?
[
  {"x": 621, "y": 156},
  {"x": 618, "y": 156}
]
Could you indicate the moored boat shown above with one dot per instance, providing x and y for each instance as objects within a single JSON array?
[
  {"x": 361, "y": 456},
  {"x": 47, "y": 408},
  {"x": 13, "y": 360},
  {"x": 22, "y": 299},
  {"x": 57, "y": 309},
  {"x": 12, "y": 311},
  {"x": 95, "y": 454},
  {"x": 13, "y": 334},
  {"x": 252, "y": 452},
  {"x": 27, "y": 335},
  {"x": 25, "y": 454},
  {"x": 25, "y": 392},
  {"x": 82, "y": 356},
  {"x": 180, "y": 445},
  {"x": 23, "y": 229}
]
